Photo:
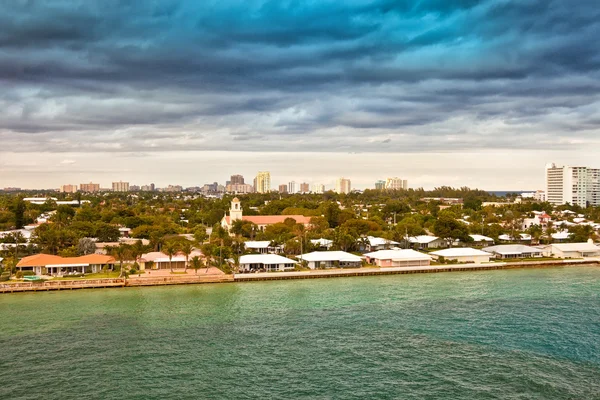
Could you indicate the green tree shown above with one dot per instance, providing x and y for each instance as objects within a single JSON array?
[
  {"x": 196, "y": 263},
  {"x": 86, "y": 246},
  {"x": 186, "y": 247},
  {"x": 18, "y": 210},
  {"x": 120, "y": 252},
  {"x": 450, "y": 229},
  {"x": 170, "y": 248}
]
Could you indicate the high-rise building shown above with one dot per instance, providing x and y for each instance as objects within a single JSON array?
[
  {"x": 396, "y": 183},
  {"x": 263, "y": 182},
  {"x": 89, "y": 187},
  {"x": 292, "y": 187},
  {"x": 318, "y": 188},
  {"x": 343, "y": 186},
  {"x": 574, "y": 185},
  {"x": 68, "y": 188},
  {"x": 236, "y": 180},
  {"x": 120, "y": 186},
  {"x": 283, "y": 188},
  {"x": 380, "y": 185},
  {"x": 304, "y": 188}
]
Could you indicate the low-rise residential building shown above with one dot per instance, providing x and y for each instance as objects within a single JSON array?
[
  {"x": 261, "y": 246},
  {"x": 575, "y": 250},
  {"x": 463, "y": 255},
  {"x": 377, "y": 243},
  {"x": 427, "y": 242},
  {"x": 265, "y": 262},
  {"x": 331, "y": 259},
  {"x": 398, "y": 258},
  {"x": 481, "y": 240},
  {"x": 505, "y": 251},
  {"x": 159, "y": 260},
  {"x": 46, "y": 264},
  {"x": 322, "y": 243}
]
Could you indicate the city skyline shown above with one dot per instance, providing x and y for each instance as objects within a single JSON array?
[{"x": 437, "y": 92}]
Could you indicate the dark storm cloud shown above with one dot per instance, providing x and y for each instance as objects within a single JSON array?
[{"x": 288, "y": 75}]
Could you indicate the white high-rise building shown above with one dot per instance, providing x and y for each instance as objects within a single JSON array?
[
  {"x": 343, "y": 185},
  {"x": 292, "y": 187},
  {"x": 574, "y": 185},
  {"x": 396, "y": 183},
  {"x": 120, "y": 186},
  {"x": 263, "y": 182},
  {"x": 318, "y": 188}
]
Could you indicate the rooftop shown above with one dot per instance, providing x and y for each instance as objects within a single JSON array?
[
  {"x": 330, "y": 256},
  {"x": 460, "y": 252},
  {"x": 398, "y": 254},
  {"x": 265, "y": 259}
]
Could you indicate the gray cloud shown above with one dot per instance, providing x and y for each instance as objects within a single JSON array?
[{"x": 383, "y": 76}]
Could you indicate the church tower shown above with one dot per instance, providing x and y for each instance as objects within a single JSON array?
[{"x": 235, "y": 212}]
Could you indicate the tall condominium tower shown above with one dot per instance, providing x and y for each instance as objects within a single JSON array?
[
  {"x": 120, "y": 186},
  {"x": 236, "y": 180},
  {"x": 574, "y": 185},
  {"x": 263, "y": 182},
  {"x": 396, "y": 183},
  {"x": 343, "y": 186}
]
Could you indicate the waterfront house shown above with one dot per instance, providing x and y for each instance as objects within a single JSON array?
[
  {"x": 505, "y": 251},
  {"x": 398, "y": 258},
  {"x": 258, "y": 246},
  {"x": 575, "y": 250},
  {"x": 463, "y": 255},
  {"x": 46, "y": 264},
  {"x": 331, "y": 259},
  {"x": 159, "y": 260},
  {"x": 265, "y": 262}
]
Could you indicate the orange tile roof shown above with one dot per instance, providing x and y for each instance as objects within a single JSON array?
[
  {"x": 272, "y": 219},
  {"x": 41, "y": 260}
]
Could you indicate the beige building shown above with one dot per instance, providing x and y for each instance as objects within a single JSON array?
[
  {"x": 89, "y": 187},
  {"x": 263, "y": 182},
  {"x": 68, "y": 188},
  {"x": 304, "y": 188},
  {"x": 343, "y": 186},
  {"x": 396, "y": 184},
  {"x": 239, "y": 188},
  {"x": 120, "y": 186}
]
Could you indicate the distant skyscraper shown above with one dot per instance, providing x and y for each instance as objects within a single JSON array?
[
  {"x": 68, "y": 188},
  {"x": 380, "y": 185},
  {"x": 396, "y": 183},
  {"x": 292, "y": 187},
  {"x": 120, "y": 186},
  {"x": 574, "y": 185},
  {"x": 236, "y": 180},
  {"x": 283, "y": 188},
  {"x": 304, "y": 188},
  {"x": 318, "y": 188},
  {"x": 263, "y": 182},
  {"x": 343, "y": 186},
  {"x": 89, "y": 187}
]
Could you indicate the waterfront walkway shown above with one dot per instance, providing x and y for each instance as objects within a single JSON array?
[{"x": 214, "y": 275}]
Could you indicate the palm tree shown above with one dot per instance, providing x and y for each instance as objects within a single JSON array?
[
  {"x": 196, "y": 264},
  {"x": 170, "y": 248},
  {"x": 120, "y": 252},
  {"x": 137, "y": 249},
  {"x": 208, "y": 251},
  {"x": 186, "y": 247}
]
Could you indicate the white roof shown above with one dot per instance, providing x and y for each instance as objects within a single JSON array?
[
  {"x": 481, "y": 238},
  {"x": 561, "y": 235},
  {"x": 1, "y": 259},
  {"x": 257, "y": 244},
  {"x": 522, "y": 236},
  {"x": 585, "y": 247},
  {"x": 512, "y": 249},
  {"x": 330, "y": 256},
  {"x": 398, "y": 255},
  {"x": 377, "y": 241},
  {"x": 460, "y": 252},
  {"x": 422, "y": 239},
  {"x": 322, "y": 242},
  {"x": 265, "y": 259}
]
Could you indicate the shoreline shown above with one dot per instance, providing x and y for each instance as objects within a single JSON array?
[{"x": 25, "y": 287}]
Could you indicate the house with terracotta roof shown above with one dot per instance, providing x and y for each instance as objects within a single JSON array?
[
  {"x": 235, "y": 213},
  {"x": 47, "y": 264}
]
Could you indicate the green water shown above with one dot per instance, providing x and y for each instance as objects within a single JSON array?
[{"x": 517, "y": 334}]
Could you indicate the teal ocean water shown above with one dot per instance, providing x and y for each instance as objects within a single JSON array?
[{"x": 516, "y": 334}]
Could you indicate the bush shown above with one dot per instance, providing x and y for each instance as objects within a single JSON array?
[
  {"x": 28, "y": 273},
  {"x": 133, "y": 271},
  {"x": 19, "y": 274}
]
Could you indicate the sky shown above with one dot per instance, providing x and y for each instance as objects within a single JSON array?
[{"x": 439, "y": 92}]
